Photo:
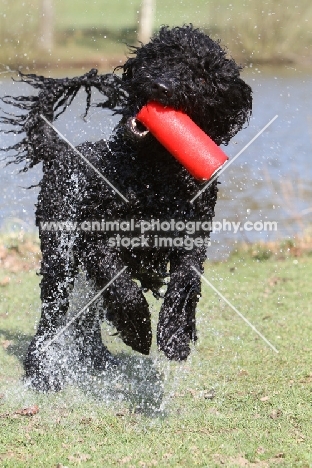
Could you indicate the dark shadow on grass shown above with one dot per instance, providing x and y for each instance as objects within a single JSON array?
[
  {"x": 136, "y": 380},
  {"x": 20, "y": 343}
]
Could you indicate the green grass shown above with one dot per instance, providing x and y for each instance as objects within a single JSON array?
[
  {"x": 121, "y": 14},
  {"x": 95, "y": 33},
  {"x": 233, "y": 403}
]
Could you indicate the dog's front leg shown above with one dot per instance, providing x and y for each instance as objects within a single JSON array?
[
  {"x": 176, "y": 326},
  {"x": 124, "y": 301}
]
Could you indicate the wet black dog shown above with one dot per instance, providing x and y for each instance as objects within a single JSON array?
[{"x": 182, "y": 68}]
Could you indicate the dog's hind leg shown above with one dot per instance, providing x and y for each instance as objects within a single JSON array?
[
  {"x": 176, "y": 325},
  {"x": 86, "y": 331},
  {"x": 41, "y": 364}
]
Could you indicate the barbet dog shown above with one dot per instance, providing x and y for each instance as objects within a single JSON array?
[{"x": 181, "y": 68}]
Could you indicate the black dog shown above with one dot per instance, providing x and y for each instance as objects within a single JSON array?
[{"x": 181, "y": 68}]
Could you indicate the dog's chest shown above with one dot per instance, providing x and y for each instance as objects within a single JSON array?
[{"x": 153, "y": 182}]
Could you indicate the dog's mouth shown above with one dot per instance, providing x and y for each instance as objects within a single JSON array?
[{"x": 137, "y": 128}]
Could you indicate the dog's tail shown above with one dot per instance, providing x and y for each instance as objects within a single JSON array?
[{"x": 53, "y": 98}]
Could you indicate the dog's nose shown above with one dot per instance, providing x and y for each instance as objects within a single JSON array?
[{"x": 161, "y": 90}]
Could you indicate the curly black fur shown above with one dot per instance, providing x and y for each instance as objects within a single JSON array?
[{"x": 182, "y": 68}]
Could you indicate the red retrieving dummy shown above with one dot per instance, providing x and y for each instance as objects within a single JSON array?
[{"x": 198, "y": 153}]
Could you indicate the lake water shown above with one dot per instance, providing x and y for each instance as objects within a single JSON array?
[{"x": 270, "y": 181}]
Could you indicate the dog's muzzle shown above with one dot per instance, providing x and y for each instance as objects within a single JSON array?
[{"x": 137, "y": 128}]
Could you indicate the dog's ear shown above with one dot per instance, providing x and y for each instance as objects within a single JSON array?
[
  {"x": 237, "y": 100},
  {"x": 53, "y": 98},
  {"x": 128, "y": 69}
]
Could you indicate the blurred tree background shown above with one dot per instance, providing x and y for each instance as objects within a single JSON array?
[{"x": 79, "y": 33}]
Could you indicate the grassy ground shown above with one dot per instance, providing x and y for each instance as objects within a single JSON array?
[
  {"x": 94, "y": 33},
  {"x": 235, "y": 402}
]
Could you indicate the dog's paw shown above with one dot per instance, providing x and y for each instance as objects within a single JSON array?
[
  {"x": 134, "y": 330},
  {"x": 137, "y": 338},
  {"x": 100, "y": 359},
  {"x": 43, "y": 383},
  {"x": 176, "y": 346},
  {"x": 41, "y": 372},
  {"x": 41, "y": 379}
]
